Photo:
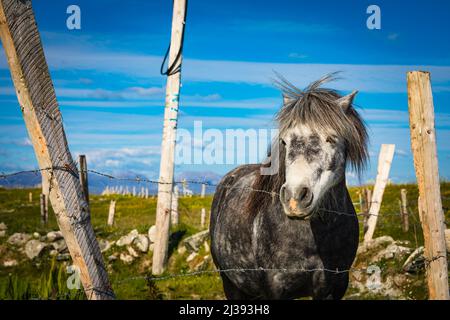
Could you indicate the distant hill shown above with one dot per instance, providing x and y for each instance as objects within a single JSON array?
[{"x": 98, "y": 183}]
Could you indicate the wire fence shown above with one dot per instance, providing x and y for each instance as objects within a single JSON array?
[{"x": 368, "y": 270}]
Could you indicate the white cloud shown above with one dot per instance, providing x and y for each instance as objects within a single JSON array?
[
  {"x": 296, "y": 55},
  {"x": 364, "y": 77}
]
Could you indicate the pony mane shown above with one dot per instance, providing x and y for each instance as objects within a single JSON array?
[{"x": 317, "y": 107}]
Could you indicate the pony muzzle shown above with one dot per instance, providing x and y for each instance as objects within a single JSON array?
[{"x": 297, "y": 204}]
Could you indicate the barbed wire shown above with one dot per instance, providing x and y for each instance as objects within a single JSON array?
[
  {"x": 138, "y": 179},
  {"x": 369, "y": 269},
  {"x": 426, "y": 262}
]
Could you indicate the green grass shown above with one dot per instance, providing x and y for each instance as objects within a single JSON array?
[{"x": 45, "y": 278}]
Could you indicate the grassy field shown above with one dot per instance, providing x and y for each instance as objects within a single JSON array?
[{"x": 45, "y": 278}]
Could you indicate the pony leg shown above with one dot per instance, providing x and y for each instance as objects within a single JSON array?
[
  {"x": 330, "y": 288},
  {"x": 231, "y": 291}
]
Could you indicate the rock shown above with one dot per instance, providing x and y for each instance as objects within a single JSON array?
[
  {"x": 3, "y": 227},
  {"x": 142, "y": 243},
  {"x": 152, "y": 234},
  {"x": 400, "y": 280},
  {"x": 392, "y": 251},
  {"x": 375, "y": 244},
  {"x": 415, "y": 262},
  {"x": 194, "y": 242},
  {"x": 201, "y": 266},
  {"x": 132, "y": 252},
  {"x": 33, "y": 248},
  {"x": 128, "y": 239},
  {"x": 63, "y": 257},
  {"x": 104, "y": 245},
  {"x": 126, "y": 258},
  {"x": 182, "y": 250},
  {"x": 59, "y": 245},
  {"x": 151, "y": 247},
  {"x": 54, "y": 235},
  {"x": 112, "y": 257},
  {"x": 389, "y": 288},
  {"x": 53, "y": 252},
  {"x": 191, "y": 256},
  {"x": 36, "y": 235},
  {"x": 2, "y": 233},
  {"x": 19, "y": 239},
  {"x": 10, "y": 263}
]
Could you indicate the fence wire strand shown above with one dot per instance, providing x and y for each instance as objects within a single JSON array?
[{"x": 138, "y": 179}]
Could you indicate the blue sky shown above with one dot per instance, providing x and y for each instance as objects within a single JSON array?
[{"x": 111, "y": 94}]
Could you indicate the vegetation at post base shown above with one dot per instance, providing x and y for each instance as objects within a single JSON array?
[{"x": 45, "y": 277}]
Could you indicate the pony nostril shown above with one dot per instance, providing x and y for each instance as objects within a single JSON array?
[
  {"x": 305, "y": 197},
  {"x": 302, "y": 194}
]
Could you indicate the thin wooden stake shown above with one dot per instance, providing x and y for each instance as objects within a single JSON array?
[
  {"x": 44, "y": 209},
  {"x": 423, "y": 144},
  {"x": 384, "y": 166},
  {"x": 37, "y": 100},
  {"x": 112, "y": 212},
  {"x": 160, "y": 253},
  {"x": 203, "y": 218},
  {"x": 30, "y": 197},
  {"x": 367, "y": 203},
  {"x": 203, "y": 190},
  {"x": 84, "y": 177},
  {"x": 404, "y": 210}
]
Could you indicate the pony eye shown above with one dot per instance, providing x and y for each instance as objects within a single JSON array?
[{"x": 331, "y": 140}]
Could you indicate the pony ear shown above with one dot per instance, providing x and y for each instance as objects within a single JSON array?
[{"x": 346, "y": 101}]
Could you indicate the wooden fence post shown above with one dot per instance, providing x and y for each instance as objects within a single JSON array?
[
  {"x": 423, "y": 145},
  {"x": 174, "y": 208},
  {"x": 44, "y": 209},
  {"x": 112, "y": 212},
  {"x": 30, "y": 197},
  {"x": 367, "y": 201},
  {"x": 404, "y": 210},
  {"x": 384, "y": 166},
  {"x": 203, "y": 218},
  {"x": 84, "y": 177},
  {"x": 37, "y": 100},
  {"x": 163, "y": 208},
  {"x": 203, "y": 190}
]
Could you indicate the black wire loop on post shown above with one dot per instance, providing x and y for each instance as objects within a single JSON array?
[{"x": 174, "y": 69}]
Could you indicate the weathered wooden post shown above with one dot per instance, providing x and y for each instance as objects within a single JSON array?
[
  {"x": 44, "y": 209},
  {"x": 404, "y": 210},
  {"x": 30, "y": 197},
  {"x": 367, "y": 196},
  {"x": 384, "y": 166},
  {"x": 84, "y": 177},
  {"x": 169, "y": 136},
  {"x": 174, "y": 208},
  {"x": 423, "y": 145},
  {"x": 37, "y": 100},
  {"x": 203, "y": 190},
  {"x": 203, "y": 218},
  {"x": 112, "y": 212}
]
